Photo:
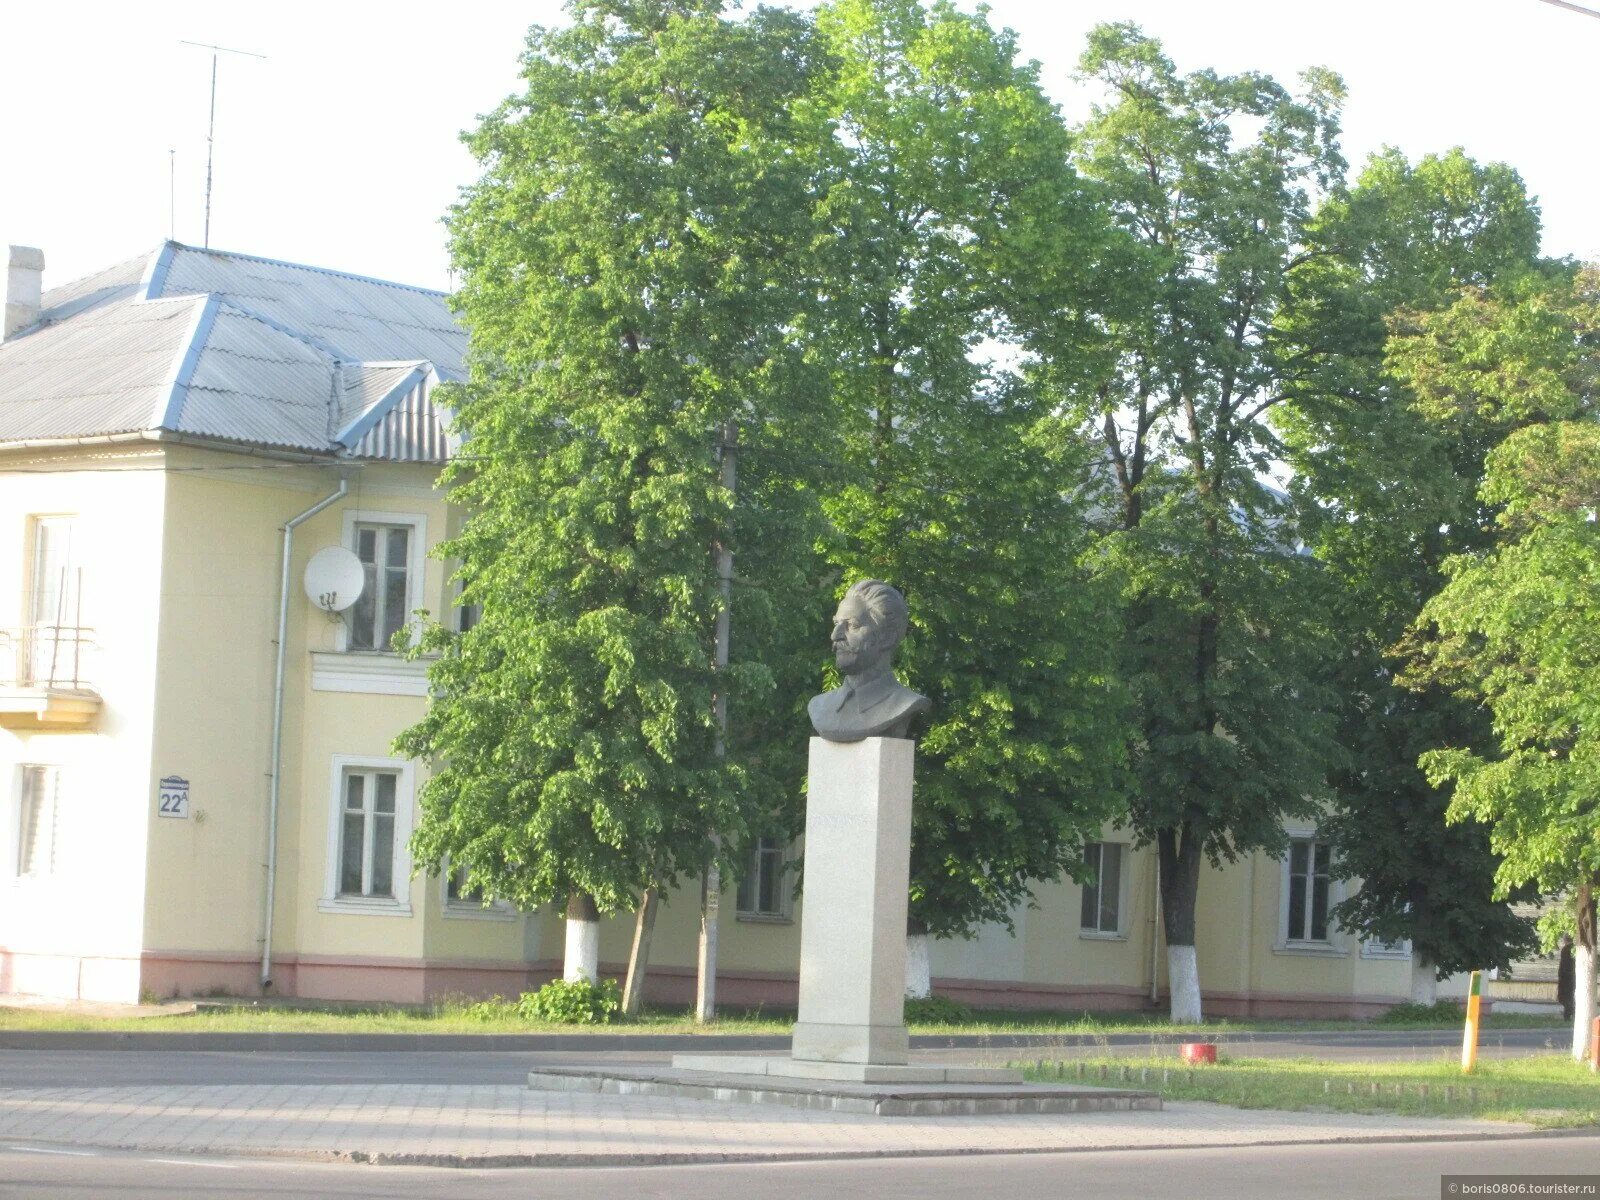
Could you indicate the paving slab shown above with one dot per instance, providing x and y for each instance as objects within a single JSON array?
[{"x": 510, "y": 1125}]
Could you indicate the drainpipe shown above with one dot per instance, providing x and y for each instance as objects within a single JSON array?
[
  {"x": 1155, "y": 934},
  {"x": 277, "y": 722}
]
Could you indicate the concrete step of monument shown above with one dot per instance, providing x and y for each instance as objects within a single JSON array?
[
  {"x": 881, "y": 1099},
  {"x": 843, "y": 1072}
]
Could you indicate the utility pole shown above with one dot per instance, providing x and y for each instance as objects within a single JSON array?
[
  {"x": 211, "y": 127},
  {"x": 705, "y": 992}
]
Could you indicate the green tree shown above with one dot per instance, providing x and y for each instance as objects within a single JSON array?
[
  {"x": 1215, "y": 178},
  {"x": 1515, "y": 628},
  {"x": 952, "y": 225},
  {"x": 1388, "y": 494},
  {"x": 627, "y": 261}
]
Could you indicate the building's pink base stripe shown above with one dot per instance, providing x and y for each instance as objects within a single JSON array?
[{"x": 414, "y": 981}]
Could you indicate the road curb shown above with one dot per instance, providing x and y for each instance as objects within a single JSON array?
[
  {"x": 712, "y": 1157},
  {"x": 49, "y": 1039}
]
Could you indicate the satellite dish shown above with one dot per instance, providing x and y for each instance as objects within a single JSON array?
[{"x": 334, "y": 579}]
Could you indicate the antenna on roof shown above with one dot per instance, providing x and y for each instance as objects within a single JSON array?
[
  {"x": 1578, "y": 8},
  {"x": 172, "y": 193},
  {"x": 211, "y": 129}
]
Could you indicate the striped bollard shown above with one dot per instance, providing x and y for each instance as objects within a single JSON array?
[{"x": 1469, "y": 1036}]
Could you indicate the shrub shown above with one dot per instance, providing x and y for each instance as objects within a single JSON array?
[
  {"x": 1445, "y": 1012},
  {"x": 573, "y": 1002},
  {"x": 938, "y": 1010}
]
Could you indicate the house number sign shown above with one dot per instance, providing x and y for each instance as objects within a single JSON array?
[{"x": 173, "y": 798}]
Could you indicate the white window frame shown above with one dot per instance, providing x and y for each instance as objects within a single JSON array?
[
  {"x": 1333, "y": 946},
  {"x": 785, "y": 913},
  {"x": 416, "y": 567},
  {"x": 404, "y": 818},
  {"x": 466, "y": 908},
  {"x": 40, "y": 647},
  {"x": 1120, "y": 934},
  {"x": 13, "y": 836},
  {"x": 1371, "y": 948}
]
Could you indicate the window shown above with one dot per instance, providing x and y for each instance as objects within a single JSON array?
[
  {"x": 385, "y": 554},
  {"x": 366, "y": 834},
  {"x": 367, "y": 866},
  {"x": 762, "y": 892},
  {"x": 1309, "y": 860},
  {"x": 467, "y": 615},
  {"x": 39, "y": 821},
  {"x": 456, "y": 890},
  {"x": 1102, "y": 898},
  {"x": 54, "y": 594},
  {"x": 1379, "y": 949},
  {"x": 462, "y": 900}
]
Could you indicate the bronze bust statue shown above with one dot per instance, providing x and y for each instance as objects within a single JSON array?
[{"x": 870, "y": 624}]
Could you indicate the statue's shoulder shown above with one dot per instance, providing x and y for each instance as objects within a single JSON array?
[
  {"x": 818, "y": 704},
  {"x": 909, "y": 702}
]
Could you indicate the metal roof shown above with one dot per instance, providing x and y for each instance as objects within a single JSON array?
[
  {"x": 239, "y": 349},
  {"x": 410, "y": 431}
]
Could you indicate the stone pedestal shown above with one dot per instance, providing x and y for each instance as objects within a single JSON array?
[
  {"x": 853, "y": 930},
  {"x": 850, "y": 1045}
]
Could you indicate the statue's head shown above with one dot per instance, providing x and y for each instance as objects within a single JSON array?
[{"x": 870, "y": 623}]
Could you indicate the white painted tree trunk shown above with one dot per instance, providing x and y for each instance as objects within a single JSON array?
[
  {"x": 1183, "y": 982},
  {"x": 583, "y": 941},
  {"x": 705, "y": 962},
  {"x": 919, "y": 981},
  {"x": 1583, "y": 1013},
  {"x": 1424, "y": 981}
]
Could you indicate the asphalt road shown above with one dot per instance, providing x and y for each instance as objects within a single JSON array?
[
  {"x": 105, "y": 1068},
  {"x": 1378, "y": 1171}
]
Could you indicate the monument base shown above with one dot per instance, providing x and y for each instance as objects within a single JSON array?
[
  {"x": 722, "y": 1081},
  {"x": 843, "y": 1072},
  {"x": 824, "y": 1042}
]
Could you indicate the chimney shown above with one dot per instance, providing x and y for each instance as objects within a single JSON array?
[{"x": 24, "y": 289}]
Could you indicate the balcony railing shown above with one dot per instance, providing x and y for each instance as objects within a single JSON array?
[{"x": 52, "y": 657}]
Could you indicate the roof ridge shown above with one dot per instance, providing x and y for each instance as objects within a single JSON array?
[
  {"x": 142, "y": 256},
  {"x": 283, "y": 262},
  {"x": 173, "y": 393}
]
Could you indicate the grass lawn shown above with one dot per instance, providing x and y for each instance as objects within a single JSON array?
[
  {"x": 1550, "y": 1091},
  {"x": 462, "y": 1017}
]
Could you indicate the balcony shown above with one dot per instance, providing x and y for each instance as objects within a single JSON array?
[{"x": 45, "y": 673}]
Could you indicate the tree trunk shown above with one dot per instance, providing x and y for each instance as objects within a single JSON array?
[
  {"x": 705, "y": 989},
  {"x": 1424, "y": 980},
  {"x": 1179, "y": 851},
  {"x": 1583, "y": 962},
  {"x": 919, "y": 981},
  {"x": 583, "y": 939},
  {"x": 644, "y": 926},
  {"x": 1183, "y": 985}
]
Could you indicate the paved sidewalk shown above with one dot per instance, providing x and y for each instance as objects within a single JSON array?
[{"x": 514, "y": 1126}]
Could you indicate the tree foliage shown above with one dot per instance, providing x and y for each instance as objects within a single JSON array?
[
  {"x": 1518, "y": 629},
  {"x": 1214, "y": 177},
  {"x": 953, "y": 227},
  {"x": 627, "y": 260},
  {"x": 1515, "y": 627},
  {"x": 1389, "y": 490}
]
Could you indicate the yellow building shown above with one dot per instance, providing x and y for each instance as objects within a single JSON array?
[{"x": 197, "y": 787}]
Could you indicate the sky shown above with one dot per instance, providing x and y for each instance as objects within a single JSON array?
[{"x": 341, "y": 147}]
